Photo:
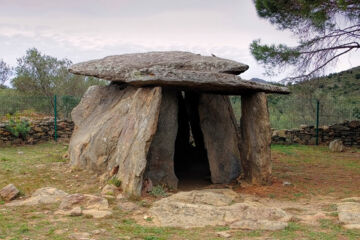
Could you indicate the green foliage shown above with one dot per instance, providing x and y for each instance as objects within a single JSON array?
[
  {"x": 40, "y": 74},
  {"x": 67, "y": 103},
  {"x": 115, "y": 181},
  {"x": 5, "y": 71},
  {"x": 322, "y": 33},
  {"x": 18, "y": 127},
  {"x": 158, "y": 191},
  {"x": 356, "y": 112}
]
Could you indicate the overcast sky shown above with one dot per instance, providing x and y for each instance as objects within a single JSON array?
[{"x": 87, "y": 29}]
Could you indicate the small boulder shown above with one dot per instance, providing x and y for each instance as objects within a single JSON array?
[
  {"x": 109, "y": 190},
  {"x": 349, "y": 214},
  {"x": 47, "y": 195},
  {"x": 76, "y": 211},
  {"x": 9, "y": 192},
  {"x": 336, "y": 146},
  {"x": 80, "y": 236},
  {"x": 97, "y": 213},
  {"x": 86, "y": 201},
  {"x": 89, "y": 205},
  {"x": 223, "y": 234},
  {"x": 128, "y": 206}
]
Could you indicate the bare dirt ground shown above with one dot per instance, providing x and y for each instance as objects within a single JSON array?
[{"x": 308, "y": 182}]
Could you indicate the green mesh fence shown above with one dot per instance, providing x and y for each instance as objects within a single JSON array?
[
  {"x": 288, "y": 113},
  {"x": 42, "y": 105}
]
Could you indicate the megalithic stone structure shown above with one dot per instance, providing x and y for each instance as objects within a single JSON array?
[{"x": 166, "y": 114}]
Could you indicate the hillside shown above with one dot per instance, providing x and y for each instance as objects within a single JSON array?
[
  {"x": 343, "y": 84},
  {"x": 338, "y": 94}
]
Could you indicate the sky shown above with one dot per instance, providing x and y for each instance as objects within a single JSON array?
[{"x": 82, "y": 30}]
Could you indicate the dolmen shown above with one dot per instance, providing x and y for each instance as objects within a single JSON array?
[{"x": 166, "y": 116}]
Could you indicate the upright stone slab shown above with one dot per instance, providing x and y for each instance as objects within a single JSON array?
[
  {"x": 255, "y": 138},
  {"x": 221, "y": 139},
  {"x": 114, "y": 126},
  {"x": 160, "y": 168}
]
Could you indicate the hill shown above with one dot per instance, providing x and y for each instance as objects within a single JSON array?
[{"x": 338, "y": 94}]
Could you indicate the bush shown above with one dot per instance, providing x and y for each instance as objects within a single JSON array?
[
  {"x": 158, "y": 191},
  {"x": 115, "y": 181},
  {"x": 18, "y": 127},
  {"x": 356, "y": 113}
]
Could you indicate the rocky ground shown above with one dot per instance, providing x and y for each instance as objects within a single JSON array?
[{"x": 49, "y": 201}]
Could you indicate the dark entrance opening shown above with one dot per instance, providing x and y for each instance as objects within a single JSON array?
[{"x": 190, "y": 161}]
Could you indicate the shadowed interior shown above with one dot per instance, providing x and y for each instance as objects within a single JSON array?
[{"x": 190, "y": 161}]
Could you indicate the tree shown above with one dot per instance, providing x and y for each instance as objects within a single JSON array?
[
  {"x": 326, "y": 30},
  {"x": 40, "y": 74},
  {"x": 5, "y": 71}
]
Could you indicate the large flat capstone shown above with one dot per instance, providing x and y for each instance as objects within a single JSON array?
[{"x": 181, "y": 70}]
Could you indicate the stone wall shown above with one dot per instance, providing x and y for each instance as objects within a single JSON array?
[
  {"x": 41, "y": 131},
  {"x": 348, "y": 132}
]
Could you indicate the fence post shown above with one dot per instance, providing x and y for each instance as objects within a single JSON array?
[
  {"x": 317, "y": 121},
  {"x": 55, "y": 119}
]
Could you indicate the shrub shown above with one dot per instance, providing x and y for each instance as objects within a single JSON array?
[
  {"x": 158, "y": 191},
  {"x": 356, "y": 113},
  {"x": 115, "y": 181},
  {"x": 18, "y": 127}
]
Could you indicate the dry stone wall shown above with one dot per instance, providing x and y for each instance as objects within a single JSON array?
[
  {"x": 347, "y": 132},
  {"x": 41, "y": 131}
]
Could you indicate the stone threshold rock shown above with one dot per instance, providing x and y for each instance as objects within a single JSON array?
[{"x": 209, "y": 207}]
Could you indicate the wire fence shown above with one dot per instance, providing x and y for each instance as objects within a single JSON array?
[
  {"x": 37, "y": 106},
  {"x": 285, "y": 113},
  {"x": 289, "y": 113}
]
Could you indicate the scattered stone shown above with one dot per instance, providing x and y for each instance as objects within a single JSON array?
[
  {"x": 97, "y": 213},
  {"x": 312, "y": 219},
  {"x": 109, "y": 189},
  {"x": 128, "y": 206},
  {"x": 187, "y": 210},
  {"x": 9, "y": 192},
  {"x": 259, "y": 225},
  {"x": 80, "y": 236},
  {"x": 349, "y": 214},
  {"x": 90, "y": 205},
  {"x": 76, "y": 211},
  {"x": 86, "y": 201},
  {"x": 120, "y": 196},
  {"x": 60, "y": 231},
  {"x": 98, "y": 231},
  {"x": 351, "y": 199},
  {"x": 352, "y": 226},
  {"x": 223, "y": 234},
  {"x": 47, "y": 195},
  {"x": 286, "y": 183},
  {"x": 336, "y": 146}
]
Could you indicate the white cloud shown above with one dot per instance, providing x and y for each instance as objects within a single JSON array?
[{"x": 82, "y": 30}]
